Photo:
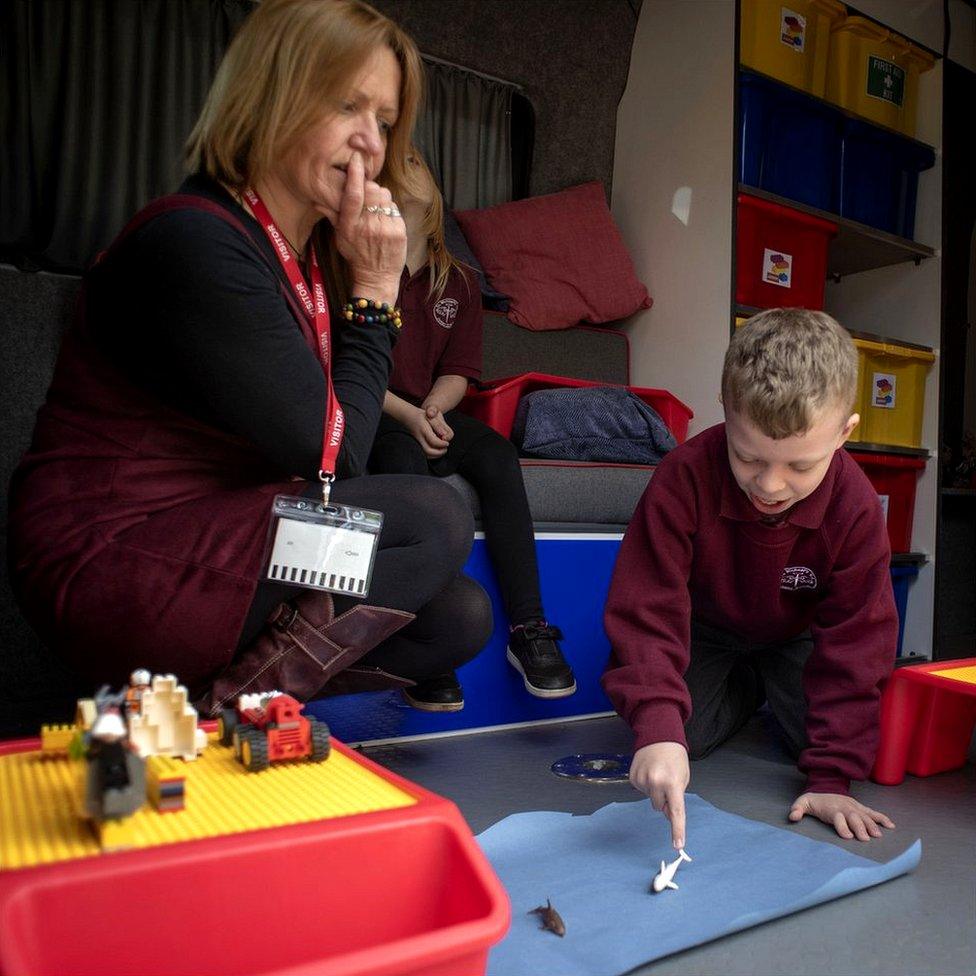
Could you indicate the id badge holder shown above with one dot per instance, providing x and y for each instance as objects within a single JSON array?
[{"x": 323, "y": 547}]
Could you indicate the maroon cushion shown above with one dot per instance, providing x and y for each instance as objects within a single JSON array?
[{"x": 559, "y": 257}]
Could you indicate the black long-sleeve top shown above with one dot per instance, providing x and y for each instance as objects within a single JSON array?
[{"x": 189, "y": 310}]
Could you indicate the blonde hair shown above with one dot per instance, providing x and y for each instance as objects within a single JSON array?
[
  {"x": 785, "y": 366},
  {"x": 440, "y": 261},
  {"x": 289, "y": 63}
]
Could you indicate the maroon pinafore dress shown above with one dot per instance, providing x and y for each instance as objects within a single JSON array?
[{"x": 137, "y": 533}]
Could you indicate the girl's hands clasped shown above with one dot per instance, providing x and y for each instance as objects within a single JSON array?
[
  {"x": 373, "y": 242},
  {"x": 431, "y": 432}
]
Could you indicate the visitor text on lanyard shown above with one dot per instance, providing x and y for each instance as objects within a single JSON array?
[{"x": 317, "y": 312}]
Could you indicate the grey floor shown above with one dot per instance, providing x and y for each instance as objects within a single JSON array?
[{"x": 916, "y": 925}]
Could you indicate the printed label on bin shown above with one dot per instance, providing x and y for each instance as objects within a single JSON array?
[
  {"x": 883, "y": 391},
  {"x": 777, "y": 268},
  {"x": 886, "y": 80},
  {"x": 792, "y": 29},
  {"x": 884, "y": 505}
]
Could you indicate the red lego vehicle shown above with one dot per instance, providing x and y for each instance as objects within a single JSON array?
[{"x": 267, "y": 728}]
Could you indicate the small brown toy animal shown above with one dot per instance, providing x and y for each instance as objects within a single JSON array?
[{"x": 550, "y": 918}]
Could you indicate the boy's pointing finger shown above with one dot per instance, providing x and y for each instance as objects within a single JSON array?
[{"x": 675, "y": 810}]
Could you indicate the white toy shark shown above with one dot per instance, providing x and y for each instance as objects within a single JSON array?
[{"x": 665, "y": 877}]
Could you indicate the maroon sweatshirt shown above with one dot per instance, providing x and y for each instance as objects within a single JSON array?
[
  {"x": 696, "y": 547},
  {"x": 444, "y": 338}
]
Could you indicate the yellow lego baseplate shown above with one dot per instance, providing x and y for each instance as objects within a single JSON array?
[
  {"x": 966, "y": 675},
  {"x": 39, "y": 824}
]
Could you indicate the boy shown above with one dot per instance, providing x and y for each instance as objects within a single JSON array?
[{"x": 756, "y": 567}]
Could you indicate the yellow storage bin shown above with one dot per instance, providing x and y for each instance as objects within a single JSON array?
[
  {"x": 891, "y": 392},
  {"x": 874, "y": 72},
  {"x": 789, "y": 39}
]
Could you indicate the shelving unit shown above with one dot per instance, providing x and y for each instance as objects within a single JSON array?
[
  {"x": 677, "y": 131},
  {"x": 868, "y": 448}
]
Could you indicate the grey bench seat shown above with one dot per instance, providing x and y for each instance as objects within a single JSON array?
[{"x": 575, "y": 492}]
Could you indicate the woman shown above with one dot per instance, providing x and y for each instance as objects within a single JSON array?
[
  {"x": 204, "y": 376},
  {"x": 421, "y": 433}
]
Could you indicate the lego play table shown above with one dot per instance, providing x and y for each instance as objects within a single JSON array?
[
  {"x": 336, "y": 868},
  {"x": 928, "y": 712}
]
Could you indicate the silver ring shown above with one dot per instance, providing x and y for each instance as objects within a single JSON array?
[
  {"x": 373, "y": 209},
  {"x": 386, "y": 211}
]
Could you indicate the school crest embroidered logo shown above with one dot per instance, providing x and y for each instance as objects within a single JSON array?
[
  {"x": 798, "y": 578},
  {"x": 445, "y": 312}
]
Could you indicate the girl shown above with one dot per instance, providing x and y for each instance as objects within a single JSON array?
[{"x": 421, "y": 432}]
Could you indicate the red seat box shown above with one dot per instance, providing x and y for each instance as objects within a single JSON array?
[
  {"x": 497, "y": 406},
  {"x": 780, "y": 255},
  {"x": 396, "y": 892},
  {"x": 928, "y": 712},
  {"x": 894, "y": 477}
]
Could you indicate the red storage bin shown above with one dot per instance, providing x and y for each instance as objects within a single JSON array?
[
  {"x": 496, "y": 407},
  {"x": 894, "y": 478},
  {"x": 399, "y": 892},
  {"x": 928, "y": 712},
  {"x": 781, "y": 255}
]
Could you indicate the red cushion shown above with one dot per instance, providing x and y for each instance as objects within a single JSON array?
[{"x": 560, "y": 257}]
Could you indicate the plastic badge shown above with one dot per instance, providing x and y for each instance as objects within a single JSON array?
[{"x": 323, "y": 547}]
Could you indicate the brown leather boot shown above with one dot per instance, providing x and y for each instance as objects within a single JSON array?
[{"x": 301, "y": 647}]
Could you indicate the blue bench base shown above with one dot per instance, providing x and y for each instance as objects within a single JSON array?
[{"x": 575, "y": 572}]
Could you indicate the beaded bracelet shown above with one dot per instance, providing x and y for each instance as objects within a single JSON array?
[{"x": 363, "y": 310}]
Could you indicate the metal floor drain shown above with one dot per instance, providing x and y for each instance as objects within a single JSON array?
[{"x": 594, "y": 767}]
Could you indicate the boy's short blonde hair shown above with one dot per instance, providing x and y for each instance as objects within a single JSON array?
[
  {"x": 290, "y": 64},
  {"x": 785, "y": 366}
]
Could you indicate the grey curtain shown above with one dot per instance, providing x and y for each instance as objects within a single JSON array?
[
  {"x": 465, "y": 133},
  {"x": 96, "y": 100}
]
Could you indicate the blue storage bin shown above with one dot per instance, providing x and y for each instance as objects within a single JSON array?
[
  {"x": 790, "y": 143},
  {"x": 879, "y": 177},
  {"x": 901, "y": 578}
]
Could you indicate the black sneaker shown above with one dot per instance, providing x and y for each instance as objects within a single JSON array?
[
  {"x": 438, "y": 694},
  {"x": 534, "y": 652}
]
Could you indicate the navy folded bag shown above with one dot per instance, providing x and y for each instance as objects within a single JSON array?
[{"x": 600, "y": 423}]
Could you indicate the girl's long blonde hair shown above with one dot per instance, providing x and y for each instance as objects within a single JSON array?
[{"x": 440, "y": 261}]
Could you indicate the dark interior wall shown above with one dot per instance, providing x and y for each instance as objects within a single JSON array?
[{"x": 571, "y": 57}]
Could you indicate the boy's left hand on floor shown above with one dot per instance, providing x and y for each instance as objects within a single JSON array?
[{"x": 848, "y": 817}]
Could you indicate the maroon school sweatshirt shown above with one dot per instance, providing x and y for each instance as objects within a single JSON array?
[
  {"x": 696, "y": 547},
  {"x": 442, "y": 337}
]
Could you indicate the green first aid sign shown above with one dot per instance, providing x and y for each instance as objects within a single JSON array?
[{"x": 886, "y": 80}]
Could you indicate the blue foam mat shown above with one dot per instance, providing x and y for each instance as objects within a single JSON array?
[{"x": 597, "y": 870}]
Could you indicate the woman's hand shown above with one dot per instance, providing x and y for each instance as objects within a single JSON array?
[
  {"x": 373, "y": 244},
  {"x": 661, "y": 771},
  {"x": 848, "y": 817},
  {"x": 417, "y": 422}
]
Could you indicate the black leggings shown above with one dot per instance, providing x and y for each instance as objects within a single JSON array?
[
  {"x": 729, "y": 679},
  {"x": 426, "y": 538},
  {"x": 490, "y": 463}
]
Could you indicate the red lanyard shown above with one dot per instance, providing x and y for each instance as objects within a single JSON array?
[{"x": 317, "y": 313}]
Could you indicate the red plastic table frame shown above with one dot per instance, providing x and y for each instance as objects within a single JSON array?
[
  {"x": 927, "y": 721},
  {"x": 403, "y": 892}
]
